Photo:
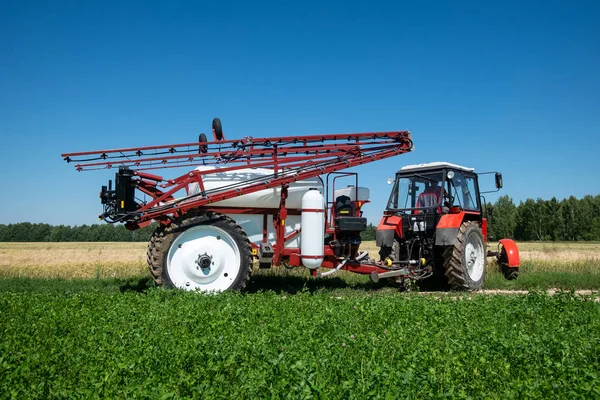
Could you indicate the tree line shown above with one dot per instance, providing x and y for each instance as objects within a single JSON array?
[
  {"x": 571, "y": 219},
  {"x": 28, "y": 232}
]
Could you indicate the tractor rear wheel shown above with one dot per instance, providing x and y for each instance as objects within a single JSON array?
[
  {"x": 206, "y": 252},
  {"x": 465, "y": 262}
]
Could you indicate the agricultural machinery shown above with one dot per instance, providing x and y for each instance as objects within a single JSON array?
[{"x": 275, "y": 201}]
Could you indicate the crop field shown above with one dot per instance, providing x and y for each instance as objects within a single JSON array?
[
  {"x": 544, "y": 265},
  {"x": 82, "y": 320}
]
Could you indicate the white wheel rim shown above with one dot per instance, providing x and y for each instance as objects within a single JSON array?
[
  {"x": 204, "y": 258},
  {"x": 474, "y": 257}
]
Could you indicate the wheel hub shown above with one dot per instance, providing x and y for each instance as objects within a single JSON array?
[
  {"x": 204, "y": 261},
  {"x": 474, "y": 258}
]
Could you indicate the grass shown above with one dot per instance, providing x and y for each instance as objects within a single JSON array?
[
  {"x": 173, "y": 344},
  {"x": 115, "y": 335}
]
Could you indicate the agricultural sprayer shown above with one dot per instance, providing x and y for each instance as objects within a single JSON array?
[{"x": 274, "y": 200}]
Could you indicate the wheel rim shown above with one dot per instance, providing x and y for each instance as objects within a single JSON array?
[
  {"x": 204, "y": 258},
  {"x": 474, "y": 257}
]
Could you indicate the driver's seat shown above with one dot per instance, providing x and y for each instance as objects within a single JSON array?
[{"x": 427, "y": 199}]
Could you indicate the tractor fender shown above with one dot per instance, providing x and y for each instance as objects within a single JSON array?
[
  {"x": 512, "y": 252},
  {"x": 388, "y": 228},
  {"x": 447, "y": 229}
]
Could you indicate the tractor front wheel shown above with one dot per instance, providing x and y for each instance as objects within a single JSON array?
[
  {"x": 390, "y": 252},
  {"x": 465, "y": 262},
  {"x": 510, "y": 273},
  {"x": 205, "y": 252}
]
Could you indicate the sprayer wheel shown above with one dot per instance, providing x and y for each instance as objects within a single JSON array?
[
  {"x": 206, "y": 252},
  {"x": 217, "y": 129},
  {"x": 202, "y": 139}
]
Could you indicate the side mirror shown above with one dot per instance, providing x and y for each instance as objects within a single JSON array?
[{"x": 498, "y": 180}]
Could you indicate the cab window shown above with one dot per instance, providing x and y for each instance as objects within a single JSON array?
[
  {"x": 412, "y": 191},
  {"x": 463, "y": 190}
]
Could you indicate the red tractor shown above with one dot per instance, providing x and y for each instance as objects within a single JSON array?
[{"x": 434, "y": 217}]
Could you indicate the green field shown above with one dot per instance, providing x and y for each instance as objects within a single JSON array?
[
  {"x": 82, "y": 320},
  {"x": 100, "y": 342}
]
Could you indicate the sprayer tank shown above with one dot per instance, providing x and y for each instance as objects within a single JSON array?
[{"x": 312, "y": 235}]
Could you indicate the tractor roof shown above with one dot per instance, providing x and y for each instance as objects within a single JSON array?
[{"x": 434, "y": 165}]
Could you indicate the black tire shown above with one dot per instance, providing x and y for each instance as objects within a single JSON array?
[
  {"x": 456, "y": 262},
  {"x": 202, "y": 139},
  {"x": 217, "y": 129},
  {"x": 438, "y": 280},
  {"x": 393, "y": 253},
  {"x": 510, "y": 273},
  {"x": 163, "y": 238},
  {"x": 390, "y": 252}
]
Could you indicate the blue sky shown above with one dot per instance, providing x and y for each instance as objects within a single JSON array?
[{"x": 508, "y": 86}]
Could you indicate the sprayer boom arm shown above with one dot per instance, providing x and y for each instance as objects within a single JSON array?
[{"x": 291, "y": 158}]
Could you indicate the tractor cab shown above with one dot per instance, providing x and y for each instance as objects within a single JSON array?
[{"x": 434, "y": 188}]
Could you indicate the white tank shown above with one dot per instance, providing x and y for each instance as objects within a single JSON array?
[
  {"x": 252, "y": 224},
  {"x": 312, "y": 235},
  {"x": 355, "y": 193},
  {"x": 267, "y": 198}
]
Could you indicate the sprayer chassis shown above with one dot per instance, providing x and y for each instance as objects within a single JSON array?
[{"x": 291, "y": 158}]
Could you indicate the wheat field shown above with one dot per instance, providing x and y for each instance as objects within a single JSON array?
[
  {"x": 123, "y": 260},
  {"x": 73, "y": 260}
]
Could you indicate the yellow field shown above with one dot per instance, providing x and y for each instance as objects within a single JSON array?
[
  {"x": 121, "y": 260},
  {"x": 73, "y": 260}
]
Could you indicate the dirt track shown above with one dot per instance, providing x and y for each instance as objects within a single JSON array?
[{"x": 550, "y": 292}]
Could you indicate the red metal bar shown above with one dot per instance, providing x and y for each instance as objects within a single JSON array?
[
  {"x": 280, "y": 227},
  {"x": 145, "y": 175},
  {"x": 219, "y": 158},
  {"x": 241, "y": 142},
  {"x": 265, "y": 229},
  {"x": 276, "y": 148}
]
